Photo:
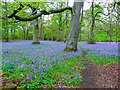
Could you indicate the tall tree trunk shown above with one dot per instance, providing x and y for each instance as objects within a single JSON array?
[
  {"x": 73, "y": 30},
  {"x": 7, "y": 29},
  {"x": 24, "y": 32},
  {"x": 11, "y": 34},
  {"x": 66, "y": 24},
  {"x": 41, "y": 29},
  {"x": 48, "y": 29},
  {"x": 36, "y": 35},
  {"x": 60, "y": 27},
  {"x": 116, "y": 32},
  {"x": 81, "y": 24},
  {"x": 14, "y": 31},
  {"x": 118, "y": 21},
  {"x": 19, "y": 35},
  {"x": 92, "y": 26},
  {"x": 27, "y": 32},
  {"x": 60, "y": 23},
  {"x": 110, "y": 29}
]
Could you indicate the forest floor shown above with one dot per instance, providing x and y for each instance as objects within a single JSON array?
[
  {"x": 100, "y": 75},
  {"x": 96, "y": 68}
]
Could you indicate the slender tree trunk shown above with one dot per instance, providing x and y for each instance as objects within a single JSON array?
[
  {"x": 41, "y": 29},
  {"x": 48, "y": 29},
  {"x": 60, "y": 27},
  {"x": 14, "y": 31},
  {"x": 110, "y": 29},
  {"x": 92, "y": 26},
  {"x": 73, "y": 34},
  {"x": 36, "y": 35},
  {"x": 27, "y": 32},
  {"x": 110, "y": 37},
  {"x": 60, "y": 23},
  {"x": 66, "y": 24},
  {"x": 7, "y": 29},
  {"x": 118, "y": 21},
  {"x": 24, "y": 32},
  {"x": 11, "y": 34},
  {"x": 81, "y": 24},
  {"x": 19, "y": 35}
]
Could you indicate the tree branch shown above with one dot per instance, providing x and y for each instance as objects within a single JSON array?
[
  {"x": 104, "y": 13},
  {"x": 16, "y": 11},
  {"x": 102, "y": 22},
  {"x": 44, "y": 12}
]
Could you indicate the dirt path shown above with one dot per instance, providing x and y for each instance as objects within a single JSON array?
[
  {"x": 99, "y": 76},
  {"x": 88, "y": 74}
]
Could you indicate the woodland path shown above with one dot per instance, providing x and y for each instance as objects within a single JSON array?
[{"x": 99, "y": 76}]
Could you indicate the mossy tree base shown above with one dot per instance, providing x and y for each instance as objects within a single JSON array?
[
  {"x": 65, "y": 41},
  {"x": 69, "y": 50},
  {"x": 59, "y": 40},
  {"x": 35, "y": 42},
  {"x": 91, "y": 42}
]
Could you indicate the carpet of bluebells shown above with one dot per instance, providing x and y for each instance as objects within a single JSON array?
[
  {"x": 30, "y": 65},
  {"x": 35, "y": 62},
  {"x": 102, "y": 52}
]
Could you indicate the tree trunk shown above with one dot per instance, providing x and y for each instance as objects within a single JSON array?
[
  {"x": 81, "y": 24},
  {"x": 27, "y": 32},
  {"x": 36, "y": 35},
  {"x": 7, "y": 29},
  {"x": 92, "y": 26},
  {"x": 118, "y": 21},
  {"x": 24, "y": 32},
  {"x": 60, "y": 27},
  {"x": 66, "y": 24},
  {"x": 110, "y": 37},
  {"x": 41, "y": 29},
  {"x": 11, "y": 34},
  {"x": 110, "y": 29},
  {"x": 14, "y": 31},
  {"x": 73, "y": 30},
  {"x": 48, "y": 29},
  {"x": 60, "y": 23}
]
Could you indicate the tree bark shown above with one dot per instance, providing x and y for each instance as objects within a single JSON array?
[
  {"x": 41, "y": 29},
  {"x": 11, "y": 34},
  {"x": 110, "y": 29},
  {"x": 60, "y": 23},
  {"x": 60, "y": 27},
  {"x": 14, "y": 31},
  {"x": 118, "y": 21},
  {"x": 36, "y": 35},
  {"x": 27, "y": 32},
  {"x": 7, "y": 29},
  {"x": 24, "y": 32},
  {"x": 92, "y": 26},
  {"x": 66, "y": 24},
  {"x": 73, "y": 30},
  {"x": 81, "y": 24}
]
